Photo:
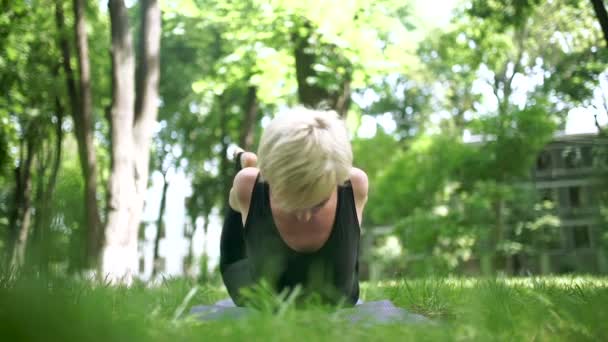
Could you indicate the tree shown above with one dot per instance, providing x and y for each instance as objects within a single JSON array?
[
  {"x": 602, "y": 16},
  {"x": 250, "y": 120},
  {"x": 316, "y": 86},
  {"x": 295, "y": 55},
  {"x": 479, "y": 65},
  {"x": 83, "y": 119},
  {"x": 21, "y": 213},
  {"x": 205, "y": 197},
  {"x": 31, "y": 108},
  {"x": 81, "y": 105},
  {"x": 160, "y": 224},
  {"x": 165, "y": 160},
  {"x": 133, "y": 113},
  {"x": 49, "y": 162}
]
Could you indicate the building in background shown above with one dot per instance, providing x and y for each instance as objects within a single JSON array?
[
  {"x": 565, "y": 175},
  {"x": 569, "y": 184}
]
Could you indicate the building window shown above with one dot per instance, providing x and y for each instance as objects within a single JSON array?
[
  {"x": 547, "y": 195},
  {"x": 543, "y": 162},
  {"x": 551, "y": 238},
  {"x": 581, "y": 237},
  {"x": 574, "y": 195},
  {"x": 591, "y": 196},
  {"x": 587, "y": 156},
  {"x": 572, "y": 158}
]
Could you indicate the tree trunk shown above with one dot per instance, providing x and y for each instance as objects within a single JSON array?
[
  {"x": 21, "y": 228},
  {"x": 64, "y": 46},
  {"x": 146, "y": 106},
  {"x": 34, "y": 246},
  {"x": 309, "y": 94},
  {"x": 45, "y": 195},
  {"x": 225, "y": 174},
  {"x": 119, "y": 260},
  {"x": 52, "y": 184},
  {"x": 251, "y": 113},
  {"x": 499, "y": 231},
  {"x": 189, "y": 260},
  {"x": 88, "y": 155},
  {"x": 602, "y": 16},
  {"x": 160, "y": 226},
  {"x": 204, "y": 277},
  {"x": 132, "y": 123},
  {"x": 81, "y": 111},
  {"x": 13, "y": 222},
  {"x": 18, "y": 259},
  {"x": 342, "y": 100}
]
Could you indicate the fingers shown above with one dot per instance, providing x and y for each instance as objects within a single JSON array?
[
  {"x": 236, "y": 152},
  {"x": 249, "y": 159}
]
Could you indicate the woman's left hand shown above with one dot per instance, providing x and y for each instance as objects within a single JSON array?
[{"x": 248, "y": 159}]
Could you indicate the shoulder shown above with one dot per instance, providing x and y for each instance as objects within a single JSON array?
[
  {"x": 359, "y": 181},
  {"x": 244, "y": 181}
]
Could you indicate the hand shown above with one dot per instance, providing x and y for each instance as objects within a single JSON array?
[{"x": 248, "y": 159}]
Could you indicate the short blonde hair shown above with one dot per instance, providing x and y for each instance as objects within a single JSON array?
[{"x": 304, "y": 155}]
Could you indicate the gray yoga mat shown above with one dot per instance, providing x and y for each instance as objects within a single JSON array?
[{"x": 382, "y": 311}]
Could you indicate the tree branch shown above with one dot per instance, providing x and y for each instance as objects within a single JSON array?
[{"x": 602, "y": 16}]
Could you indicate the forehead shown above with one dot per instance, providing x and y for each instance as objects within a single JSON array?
[
  {"x": 300, "y": 200},
  {"x": 322, "y": 202}
]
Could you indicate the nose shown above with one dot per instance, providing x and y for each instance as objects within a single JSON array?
[{"x": 304, "y": 215}]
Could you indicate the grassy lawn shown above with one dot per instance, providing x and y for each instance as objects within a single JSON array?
[{"x": 514, "y": 309}]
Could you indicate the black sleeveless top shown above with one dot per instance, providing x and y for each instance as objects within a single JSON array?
[{"x": 332, "y": 272}]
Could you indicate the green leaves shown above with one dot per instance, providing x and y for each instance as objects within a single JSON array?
[
  {"x": 503, "y": 13},
  {"x": 511, "y": 142},
  {"x": 414, "y": 178}
]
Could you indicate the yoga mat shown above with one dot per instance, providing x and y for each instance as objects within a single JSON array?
[{"x": 382, "y": 311}]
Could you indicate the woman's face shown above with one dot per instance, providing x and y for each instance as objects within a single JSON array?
[{"x": 303, "y": 215}]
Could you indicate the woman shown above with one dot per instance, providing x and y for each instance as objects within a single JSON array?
[{"x": 295, "y": 219}]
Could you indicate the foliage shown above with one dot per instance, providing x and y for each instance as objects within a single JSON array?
[
  {"x": 496, "y": 77},
  {"x": 450, "y": 214},
  {"x": 404, "y": 183},
  {"x": 472, "y": 104},
  {"x": 510, "y": 144}
]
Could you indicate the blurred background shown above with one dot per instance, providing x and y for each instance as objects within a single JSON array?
[{"x": 482, "y": 125}]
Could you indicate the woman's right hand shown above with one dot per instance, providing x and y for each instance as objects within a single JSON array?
[{"x": 248, "y": 159}]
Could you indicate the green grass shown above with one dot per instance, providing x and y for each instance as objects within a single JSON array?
[{"x": 514, "y": 309}]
